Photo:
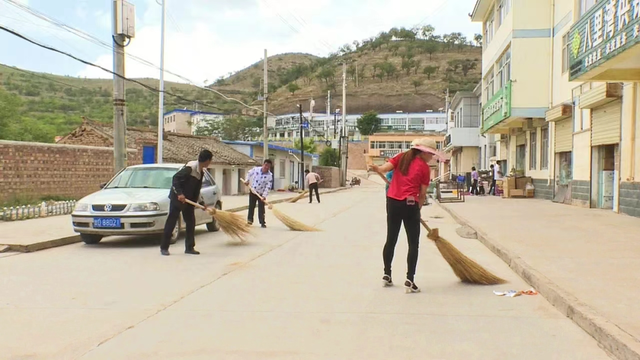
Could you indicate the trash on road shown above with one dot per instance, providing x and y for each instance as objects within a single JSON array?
[{"x": 513, "y": 293}]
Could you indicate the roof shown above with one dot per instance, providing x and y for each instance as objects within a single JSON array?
[
  {"x": 480, "y": 10},
  {"x": 271, "y": 147},
  {"x": 457, "y": 98},
  {"x": 192, "y": 112},
  {"x": 178, "y": 148}
]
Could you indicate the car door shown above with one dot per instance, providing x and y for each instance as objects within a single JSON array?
[{"x": 209, "y": 193}]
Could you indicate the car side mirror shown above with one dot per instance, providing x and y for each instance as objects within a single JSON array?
[{"x": 103, "y": 185}]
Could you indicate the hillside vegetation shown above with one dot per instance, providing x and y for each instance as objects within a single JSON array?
[
  {"x": 401, "y": 69},
  {"x": 397, "y": 70}
]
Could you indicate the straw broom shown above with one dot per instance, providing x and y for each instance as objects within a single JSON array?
[
  {"x": 304, "y": 193},
  {"x": 290, "y": 222},
  {"x": 230, "y": 223},
  {"x": 467, "y": 270}
]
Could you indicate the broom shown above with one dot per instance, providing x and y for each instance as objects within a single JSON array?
[
  {"x": 230, "y": 223},
  {"x": 467, "y": 270},
  {"x": 290, "y": 222},
  {"x": 304, "y": 193}
]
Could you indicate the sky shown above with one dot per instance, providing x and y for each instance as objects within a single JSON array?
[{"x": 207, "y": 39}]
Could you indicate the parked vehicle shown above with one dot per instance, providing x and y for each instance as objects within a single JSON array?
[{"x": 135, "y": 202}]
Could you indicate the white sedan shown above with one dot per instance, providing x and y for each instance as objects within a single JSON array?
[{"x": 136, "y": 202}]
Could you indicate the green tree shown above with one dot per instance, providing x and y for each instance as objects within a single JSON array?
[
  {"x": 309, "y": 145},
  {"x": 467, "y": 65},
  {"x": 431, "y": 47},
  {"x": 329, "y": 157},
  {"x": 233, "y": 128},
  {"x": 292, "y": 88},
  {"x": 369, "y": 123},
  {"x": 478, "y": 39},
  {"x": 429, "y": 70},
  {"x": 9, "y": 112},
  {"x": 427, "y": 31},
  {"x": 326, "y": 74},
  {"x": 416, "y": 84}
]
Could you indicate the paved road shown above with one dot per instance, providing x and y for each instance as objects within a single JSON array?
[{"x": 284, "y": 295}]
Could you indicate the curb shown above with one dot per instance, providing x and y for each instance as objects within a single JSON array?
[
  {"x": 48, "y": 244},
  {"x": 611, "y": 338}
]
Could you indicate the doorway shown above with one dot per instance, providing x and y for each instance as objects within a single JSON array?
[
  {"x": 148, "y": 154},
  {"x": 603, "y": 174},
  {"x": 241, "y": 186},
  {"x": 226, "y": 181}
]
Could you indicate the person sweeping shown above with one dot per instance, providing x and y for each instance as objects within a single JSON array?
[
  {"x": 261, "y": 179},
  {"x": 406, "y": 194}
]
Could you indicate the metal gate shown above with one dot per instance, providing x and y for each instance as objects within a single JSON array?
[
  {"x": 605, "y": 124},
  {"x": 564, "y": 136}
]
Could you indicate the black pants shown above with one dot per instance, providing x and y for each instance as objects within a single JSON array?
[
  {"x": 492, "y": 189},
  {"x": 253, "y": 199},
  {"x": 189, "y": 221},
  {"x": 313, "y": 187},
  {"x": 474, "y": 187},
  {"x": 398, "y": 212}
]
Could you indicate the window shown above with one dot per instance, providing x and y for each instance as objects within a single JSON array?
[
  {"x": 488, "y": 85},
  {"x": 206, "y": 181},
  {"x": 544, "y": 149},
  {"x": 282, "y": 168},
  {"x": 504, "y": 69},
  {"x": 521, "y": 151},
  {"x": 533, "y": 150},
  {"x": 565, "y": 53},
  {"x": 585, "y": 5},
  {"x": 489, "y": 29},
  {"x": 504, "y": 6}
]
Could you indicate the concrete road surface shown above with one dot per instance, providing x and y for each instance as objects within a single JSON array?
[{"x": 283, "y": 295}]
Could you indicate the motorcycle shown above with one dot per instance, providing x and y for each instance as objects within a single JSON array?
[{"x": 354, "y": 181}]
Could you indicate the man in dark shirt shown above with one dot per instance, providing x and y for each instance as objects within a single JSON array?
[{"x": 186, "y": 185}]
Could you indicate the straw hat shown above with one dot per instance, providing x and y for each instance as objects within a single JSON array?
[{"x": 427, "y": 145}]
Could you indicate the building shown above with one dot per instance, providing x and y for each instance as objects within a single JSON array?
[
  {"x": 227, "y": 167},
  {"x": 516, "y": 85},
  {"x": 321, "y": 125},
  {"x": 286, "y": 162},
  {"x": 580, "y": 57},
  {"x": 188, "y": 121},
  {"x": 383, "y": 146},
  {"x": 462, "y": 141}
]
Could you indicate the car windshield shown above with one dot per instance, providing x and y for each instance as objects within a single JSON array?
[{"x": 153, "y": 178}]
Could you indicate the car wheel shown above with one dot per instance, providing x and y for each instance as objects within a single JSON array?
[
  {"x": 213, "y": 225},
  {"x": 90, "y": 239},
  {"x": 176, "y": 233}
]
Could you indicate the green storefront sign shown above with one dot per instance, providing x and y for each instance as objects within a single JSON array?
[
  {"x": 607, "y": 29},
  {"x": 497, "y": 108}
]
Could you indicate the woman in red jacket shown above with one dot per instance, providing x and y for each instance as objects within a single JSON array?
[{"x": 407, "y": 193}]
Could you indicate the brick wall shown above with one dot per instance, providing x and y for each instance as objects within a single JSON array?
[
  {"x": 35, "y": 170},
  {"x": 330, "y": 175}
]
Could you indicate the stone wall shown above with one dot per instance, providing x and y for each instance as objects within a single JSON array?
[
  {"x": 330, "y": 175},
  {"x": 630, "y": 198},
  {"x": 581, "y": 193},
  {"x": 35, "y": 170},
  {"x": 543, "y": 191}
]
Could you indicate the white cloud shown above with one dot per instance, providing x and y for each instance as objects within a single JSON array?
[{"x": 216, "y": 40}]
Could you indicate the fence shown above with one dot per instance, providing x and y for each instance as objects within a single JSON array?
[{"x": 37, "y": 211}]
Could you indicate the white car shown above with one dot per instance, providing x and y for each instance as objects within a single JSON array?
[{"x": 136, "y": 202}]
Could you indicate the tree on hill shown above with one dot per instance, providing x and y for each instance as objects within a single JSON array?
[
  {"x": 430, "y": 47},
  {"x": 429, "y": 70},
  {"x": 416, "y": 84},
  {"x": 326, "y": 74},
  {"x": 292, "y": 88},
  {"x": 468, "y": 65},
  {"x": 478, "y": 39},
  {"x": 427, "y": 31},
  {"x": 369, "y": 123}
]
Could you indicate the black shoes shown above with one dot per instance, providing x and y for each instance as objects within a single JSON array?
[
  {"x": 192, "y": 252},
  {"x": 264, "y": 226},
  {"x": 164, "y": 252},
  {"x": 386, "y": 281}
]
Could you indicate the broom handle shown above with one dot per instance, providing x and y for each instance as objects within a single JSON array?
[
  {"x": 255, "y": 193},
  {"x": 194, "y": 204},
  {"x": 424, "y": 223}
]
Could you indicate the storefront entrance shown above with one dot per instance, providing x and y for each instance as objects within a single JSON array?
[
  {"x": 563, "y": 177},
  {"x": 603, "y": 175}
]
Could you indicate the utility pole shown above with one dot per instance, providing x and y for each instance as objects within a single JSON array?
[
  {"x": 119, "y": 103},
  {"x": 344, "y": 131},
  {"x": 161, "y": 95},
  {"x": 326, "y": 121},
  {"x": 265, "y": 132},
  {"x": 301, "y": 148}
]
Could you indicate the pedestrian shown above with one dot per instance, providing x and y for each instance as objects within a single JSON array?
[
  {"x": 186, "y": 184},
  {"x": 261, "y": 180},
  {"x": 492, "y": 187},
  {"x": 407, "y": 192},
  {"x": 313, "y": 179},
  {"x": 474, "y": 177}
]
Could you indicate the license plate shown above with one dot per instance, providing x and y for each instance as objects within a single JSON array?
[{"x": 106, "y": 223}]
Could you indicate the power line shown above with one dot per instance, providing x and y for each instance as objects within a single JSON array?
[{"x": 99, "y": 42}]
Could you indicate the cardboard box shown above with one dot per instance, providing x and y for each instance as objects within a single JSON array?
[
  {"x": 516, "y": 192},
  {"x": 521, "y": 182},
  {"x": 530, "y": 193}
]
